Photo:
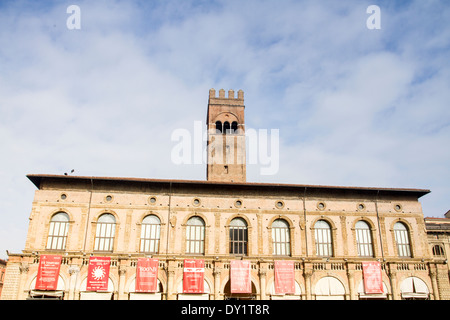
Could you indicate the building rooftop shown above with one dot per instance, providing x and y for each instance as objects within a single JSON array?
[{"x": 37, "y": 180}]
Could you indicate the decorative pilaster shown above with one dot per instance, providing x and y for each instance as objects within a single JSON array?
[
  {"x": 394, "y": 285},
  {"x": 351, "y": 281},
  {"x": 307, "y": 274},
  {"x": 24, "y": 268},
  {"x": 73, "y": 271},
  {"x": 262, "y": 280},
  {"x": 122, "y": 274},
  {"x": 442, "y": 277},
  {"x": 216, "y": 274}
]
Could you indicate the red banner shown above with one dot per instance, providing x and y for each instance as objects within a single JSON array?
[
  {"x": 240, "y": 276},
  {"x": 373, "y": 282},
  {"x": 284, "y": 277},
  {"x": 193, "y": 276},
  {"x": 98, "y": 274},
  {"x": 147, "y": 275},
  {"x": 48, "y": 272}
]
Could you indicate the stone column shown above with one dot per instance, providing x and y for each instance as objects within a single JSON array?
[
  {"x": 122, "y": 273},
  {"x": 170, "y": 276},
  {"x": 394, "y": 284},
  {"x": 433, "y": 277},
  {"x": 442, "y": 277},
  {"x": 24, "y": 267},
  {"x": 351, "y": 282},
  {"x": 307, "y": 273},
  {"x": 73, "y": 271},
  {"x": 262, "y": 282},
  {"x": 216, "y": 274}
]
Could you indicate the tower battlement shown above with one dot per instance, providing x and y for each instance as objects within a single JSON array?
[{"x": 231, "y": 99}]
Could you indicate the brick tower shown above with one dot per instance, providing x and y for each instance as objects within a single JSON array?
[{"x": 226, "y": 137}]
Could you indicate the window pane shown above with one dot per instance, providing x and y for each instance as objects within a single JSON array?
[
  {"x": 322, "y": 233},
  {"x": 364, "y": 239},
  {"x": 150, "y": 237},
  {"x": 201, "y": 230},
  {"x": 402, "y": 239},
  {"x": 238, "y": 222},
  {"x": 199, "y": 235},
  {"x": 151, "y": 219},
  {"x": 107, "y": 218},
  {"x": 101, "y": 244},
  {"x": 238, "y": 240},
  {"x": 197, "y": 246},
  {"x": 195, "y": 221},
  {"x": 399, "y": 226},
  {"x": 194, "y": 238},
  {"x": 57, "y": 235},
  {"x": 60, "y": 217},
  {"x": 361, "y": 225},
  {"x": 280, "y": 237},
  {"x": 105, "y": 235},
  {"x": 52, "y": 228}
]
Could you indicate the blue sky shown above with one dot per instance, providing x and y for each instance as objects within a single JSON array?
[{"x": 353, "y": 106}]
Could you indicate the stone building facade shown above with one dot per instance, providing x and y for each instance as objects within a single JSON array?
[
  {"x": 328, "y": 232},
  {"x": 438, "y": 231},
  {"x": 2, "y": 274}
]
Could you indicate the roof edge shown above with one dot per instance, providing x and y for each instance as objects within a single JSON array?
[{"x": 36, "y": 180}]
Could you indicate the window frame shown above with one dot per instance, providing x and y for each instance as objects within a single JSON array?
[
  {"x": 58, "y": 241},
  {"x": 195, "y": 244},
  {"x": 402, "y": 240},
  {"x": 364, "y": 241},
  {"x": 238, "y": 237},
  {"x": 219, "y": 127},
  {"x": 281, "y": 238},
  {"x": 234, "y": 127},
  {"x": 226, "y": 129},
  {"x": 105, "y": 234},
  {"x": 149, "y": 240},
  {"x": 438, "y": 251},
  {"x": 323, "y": 248}
]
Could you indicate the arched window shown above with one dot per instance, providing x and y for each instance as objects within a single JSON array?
[
  {"x": 234, "y": 127},
  {"x": 324, "y": 243},
  {"x": 57, "y": 234},
  {"x": 281, "y": 238},
  {"x": 414, "y": 288},
  {"x": 329, "y": 288},
  {"x": 218, "y": 127},
  {"x": 104, "y": 234},
  {"x": 364, "y": 239},
  {"x": 150, "y": 234},
  {"x": 226, "y": 127},
  {"x": 402, "y": 239},
  {"x": 238, "y": 236},
  {"x": 195, "y": 235},
  {"x": 438, "y": 251}
]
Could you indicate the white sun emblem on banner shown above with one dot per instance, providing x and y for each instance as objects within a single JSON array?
[{"x": 98, "y": 273}]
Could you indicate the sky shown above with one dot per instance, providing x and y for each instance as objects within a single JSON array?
[{"x": 352, "y": 105}]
